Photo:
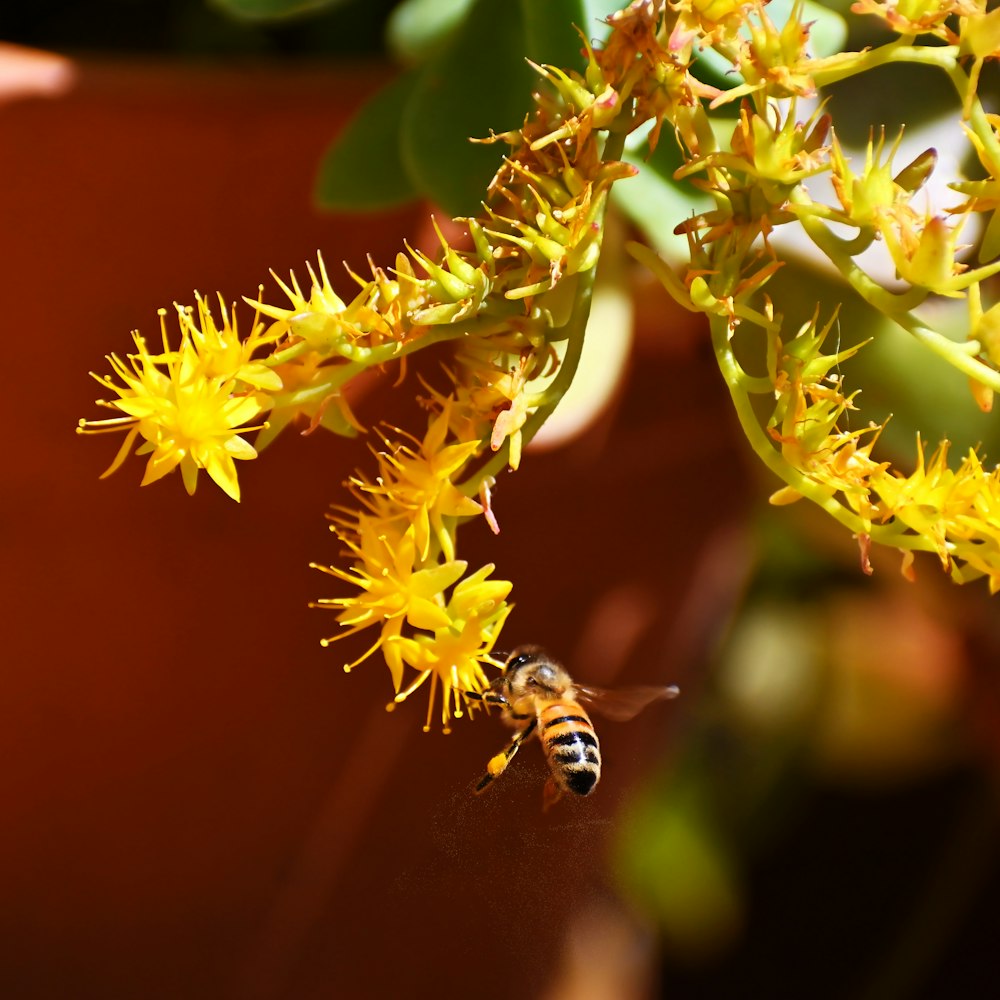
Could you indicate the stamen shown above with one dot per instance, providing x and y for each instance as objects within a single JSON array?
[
  {"x": 103, "y": 426},
  {"x": 162, "y": 313},
  {"x": 457, "y": 693},
  {"x": 430, "y": 701},
  {"x": 348, "y": 667},
  {"x": 331, "y": 639},
  {"x": 403, "y": 695}
]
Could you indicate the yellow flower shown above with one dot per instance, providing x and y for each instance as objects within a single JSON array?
[
  {"x": 445, "y": 640},
  {"x": 377, "y": 314},
  {"x": 868, "y": 196},
  {"x": 453, "y": 656},
  {"x": 914, "y": 17},
  {"x": 418, "y": 486},
  {"x": 956, "y": 509},
  {"x": 979, "y": 37},
  {"x": 707, "y": 22},
  {"x": 221, "y": 352},
  {"x": 394, "y": 587},
  {"x": 185, "y": 404}
]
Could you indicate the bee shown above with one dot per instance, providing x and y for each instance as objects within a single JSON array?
[{"x": 537, "y": 695}]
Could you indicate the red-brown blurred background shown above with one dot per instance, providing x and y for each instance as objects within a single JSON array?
[{"x": 197, "y": 801}]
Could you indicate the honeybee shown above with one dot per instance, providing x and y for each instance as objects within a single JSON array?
[{"x": 537, "y": 694}]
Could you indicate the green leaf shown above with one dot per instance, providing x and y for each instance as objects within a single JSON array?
[
  {"x": 654, "y": 201},
  {"x": 270, "y": 10},
  {"x": 363, "y": 169},
  {"x": 550, "y": 32},
  {"x": 419, "y": 29},
  {"x": 478, "y": 82}
]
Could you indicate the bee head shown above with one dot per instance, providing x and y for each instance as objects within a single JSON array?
[{"x": 529, "y": 670}]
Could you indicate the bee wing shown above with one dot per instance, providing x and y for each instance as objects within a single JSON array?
[{"x": 622, "y": 704}]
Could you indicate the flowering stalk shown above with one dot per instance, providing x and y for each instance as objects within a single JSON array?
[
  {"x": 760, "y": 182},
  {"x": 518, "y": 285},
  {"x": 512, "y": 296}
]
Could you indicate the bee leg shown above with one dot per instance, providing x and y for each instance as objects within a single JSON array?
[
  {"x": 488, "y": 697},
  {"x": 551, "y": 794},
  {"x": 498, "y": 764}
]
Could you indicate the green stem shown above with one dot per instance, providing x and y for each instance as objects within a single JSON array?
[
  {"x": 899, "y": 51},
  {"x": 573, "y": 333},
  {"x": 977, "y": 119},
  {"x": 897, "y": 308},
  {"x": 891, "y": 534},
  {"x": 334, "y": 376},
  {"x": 287, "y": 354},
  {"x": 732, "y": 373}
]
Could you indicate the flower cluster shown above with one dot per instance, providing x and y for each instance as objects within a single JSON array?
[
  {"x": 401, "y": 539},
  {"x": 509, "y": 298},
  {"x": 513, "y": 287},
  {"x": 189, "y": 404},
  {"x": 759, "y": 181}
]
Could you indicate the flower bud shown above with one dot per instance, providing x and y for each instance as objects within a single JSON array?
[{"x": 914, "y": 175}]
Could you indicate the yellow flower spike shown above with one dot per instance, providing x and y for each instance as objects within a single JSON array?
[{"x": 513, "y": 306}]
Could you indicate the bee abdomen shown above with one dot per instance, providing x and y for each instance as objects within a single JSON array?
[{"x": 571, "y": 746}]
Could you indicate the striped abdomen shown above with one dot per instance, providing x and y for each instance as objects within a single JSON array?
[{"x": 571, "y": 746}]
